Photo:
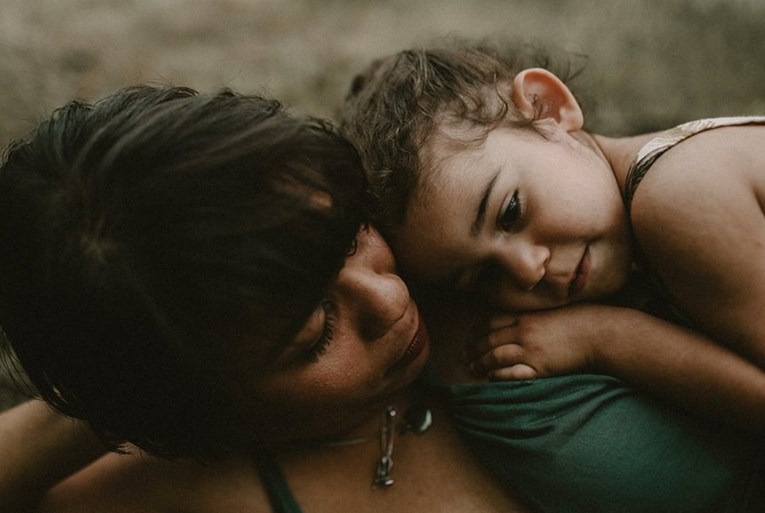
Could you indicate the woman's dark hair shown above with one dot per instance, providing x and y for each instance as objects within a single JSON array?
[
  {"x": 144, "y": 236},
  {"x": 400, "y": 101}
]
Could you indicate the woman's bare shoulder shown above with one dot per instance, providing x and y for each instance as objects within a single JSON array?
[{"x": 137, "y": 482}]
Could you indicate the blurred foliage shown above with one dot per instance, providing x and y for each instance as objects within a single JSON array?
[{"x": 650, "y": 63}]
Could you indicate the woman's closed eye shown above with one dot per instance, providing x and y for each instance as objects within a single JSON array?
[
  {"x": 510, "y": 214},
  {"x": 319, "y": 347}
]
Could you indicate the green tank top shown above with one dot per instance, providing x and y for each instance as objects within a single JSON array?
[{"x": 588, "y": 443}]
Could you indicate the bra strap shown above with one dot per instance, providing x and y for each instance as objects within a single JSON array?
[{"x": 279, "y": 494}]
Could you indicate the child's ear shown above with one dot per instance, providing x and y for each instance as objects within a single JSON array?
[{"x": 539, "y": 94}]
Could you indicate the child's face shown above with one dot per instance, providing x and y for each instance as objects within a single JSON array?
[{"x": 526, "y": 221}]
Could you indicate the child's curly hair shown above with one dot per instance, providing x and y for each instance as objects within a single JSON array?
[{"x": 400, "y": 101}]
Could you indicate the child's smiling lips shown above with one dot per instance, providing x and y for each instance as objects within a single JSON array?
[{"x": 581, "y": 274}]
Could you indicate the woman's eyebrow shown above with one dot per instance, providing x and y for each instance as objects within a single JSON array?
[{"x": 480, "y": 216}]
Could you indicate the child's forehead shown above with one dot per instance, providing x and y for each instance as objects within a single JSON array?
[
  {"x": 461, "y": 125},
  {"x": 444, "y": 153},
  {"x": 451, "y": 139}
]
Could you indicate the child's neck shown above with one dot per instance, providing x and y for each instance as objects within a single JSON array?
[{"x": 620, "y": 152}]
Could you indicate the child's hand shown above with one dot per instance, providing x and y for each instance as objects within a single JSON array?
[{"x": 544, "y": 343}]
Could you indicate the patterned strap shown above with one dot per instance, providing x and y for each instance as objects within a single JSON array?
[{"x": 657, "y": 146}]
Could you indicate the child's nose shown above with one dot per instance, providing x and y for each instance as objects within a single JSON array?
[{"x": 525, "y": 264}]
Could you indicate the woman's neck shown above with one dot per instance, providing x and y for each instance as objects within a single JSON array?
[
  {"x": 350, "y": 424},
  {"x": 382, "y": 443},
  {"x": 432, "y": 471}
]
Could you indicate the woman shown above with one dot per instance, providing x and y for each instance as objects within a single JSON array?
[
  {"x": 174, "y": 270},
  {"x": 193, "y": 274},
  {"x": 325, "y": 473}
]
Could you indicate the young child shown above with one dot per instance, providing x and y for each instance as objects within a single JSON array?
[{"x": 486, "y": 181}]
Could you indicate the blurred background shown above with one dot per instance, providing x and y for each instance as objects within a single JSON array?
[{"x": 650, "y": 64}]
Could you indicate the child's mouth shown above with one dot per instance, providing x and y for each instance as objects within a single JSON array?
[{"x": 582, "y": 273}]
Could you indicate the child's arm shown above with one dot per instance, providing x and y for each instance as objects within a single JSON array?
[
  {"x": 38, "y": 448},
  {"x": 647, "y": 352}
]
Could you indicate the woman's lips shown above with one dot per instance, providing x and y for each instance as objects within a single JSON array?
[
  {"x": 582, "y": 273},
  {"x": 416, "y": 346}
]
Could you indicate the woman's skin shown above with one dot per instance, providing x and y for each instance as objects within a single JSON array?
[
  {"x": 322, "y": 479},
  {"x": 38, "y": 448},
  {"x": 363, "y": 345},
  {"x": 377, "y": 349}
]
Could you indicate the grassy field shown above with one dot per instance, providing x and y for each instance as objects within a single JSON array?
[{"x": 650, "y": 63}]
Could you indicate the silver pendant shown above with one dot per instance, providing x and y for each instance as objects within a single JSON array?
[
  {"x": 383, "y": 472},
  {"x": 417, "y": 419},
  {"x": 387, "y": 435}
]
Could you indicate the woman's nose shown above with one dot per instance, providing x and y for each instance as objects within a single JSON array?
[
  {"x": 372, "y": 250},
  {"x": 376, "y": 297},
  {"x": 524, "y": 263}
]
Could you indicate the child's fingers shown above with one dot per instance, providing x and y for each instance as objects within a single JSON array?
[
  {"x": 502, "y": 321},
  {"x": 498, "y": 331},
  {"x": 520, "y": 372},
  {"x": 502, "y": 356},
  {"x": 499, "y": 337}
]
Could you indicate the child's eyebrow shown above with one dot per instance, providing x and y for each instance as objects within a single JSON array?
[{"x": 480, "y": 216}]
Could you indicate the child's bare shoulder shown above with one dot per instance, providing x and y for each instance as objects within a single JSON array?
[
  {"x": 697, "y": 204},
  {"x": 698, "y": 217},
  {"x": 710, "y": 173}
]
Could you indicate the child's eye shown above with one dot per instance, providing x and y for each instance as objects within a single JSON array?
[
  {"x": 319, "y": 347},
  {"x": 510, "y": 216}
]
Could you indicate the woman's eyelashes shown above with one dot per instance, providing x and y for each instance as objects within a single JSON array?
[
  {"x": 319, "y": 347},
  {"x": 511, "y": 214}
]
